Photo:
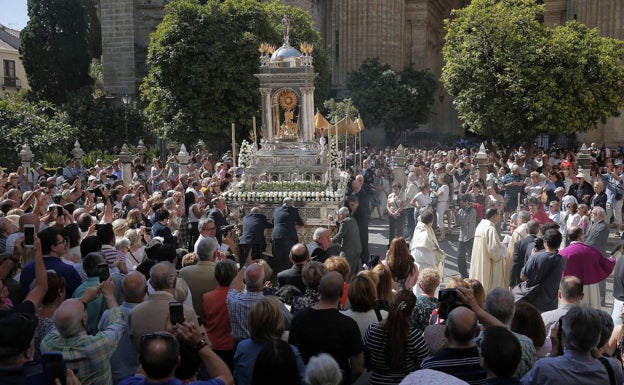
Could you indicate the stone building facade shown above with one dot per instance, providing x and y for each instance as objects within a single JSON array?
[
  {"x": 399, "y": 32},
  {"x": 12, "y": 73}
]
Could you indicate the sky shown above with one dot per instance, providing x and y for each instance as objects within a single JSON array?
[{"x": 13, "y": 13}]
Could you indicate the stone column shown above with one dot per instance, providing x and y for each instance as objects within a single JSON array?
[
  {"x": 310, "y": 113},
  {"x": 583, "y": 159},
  {"x": 140, "y": 149},
  {"x": 125, "y": 157},
  {"x": 26, "y": 156},
  {"x": 399, "y": 169},
  {"x": 482, "y": 162},
  {"x": 267, "y": 121},
  {"x": 183, "y": 158},
  {"x": 77, "y": 153},
  {"x": 307, "y": 112}
]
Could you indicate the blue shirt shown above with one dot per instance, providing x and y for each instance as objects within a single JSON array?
[
  {"x": 124, "y": 360},
  {"x": 245, "y": 358},
  {"x": 72, "y": 279},
  {"x": 572, "y": 368}
]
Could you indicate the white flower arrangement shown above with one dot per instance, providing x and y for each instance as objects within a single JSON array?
[
  {"x": 334, "y": 155},
  {"x": 244, "y": 158}
]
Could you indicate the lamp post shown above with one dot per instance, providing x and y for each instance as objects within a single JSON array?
[{"x": 127, "y": 99}]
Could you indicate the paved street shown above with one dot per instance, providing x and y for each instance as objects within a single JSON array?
[{"x": 378, "y": 238}]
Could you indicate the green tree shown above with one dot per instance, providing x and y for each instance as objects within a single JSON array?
[
  {"x": 513, "y": 78},
  {"x": 55, "y": 48},
  {"x": 102, "y": 124},
  {"x": 203, "y": 58},
  {"x": 338, "y": 110},
  {"x": 38, "y": 123},
  {"x": 395, "y": 101}
]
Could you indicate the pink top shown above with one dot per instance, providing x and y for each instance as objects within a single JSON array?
[{"x": 586, "y": 263}]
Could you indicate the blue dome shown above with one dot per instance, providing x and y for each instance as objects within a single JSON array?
[{"x": 285, "y": 52}]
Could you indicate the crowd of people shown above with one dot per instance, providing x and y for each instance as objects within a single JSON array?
[{"x": 157, "y": 281}]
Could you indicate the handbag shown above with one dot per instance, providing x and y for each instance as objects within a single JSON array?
[{"x": 524, "y": 292}]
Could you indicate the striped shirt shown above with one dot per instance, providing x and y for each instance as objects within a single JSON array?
[
  {"x": 464, "y": 364},
  {"x": 375, "y": 345}
]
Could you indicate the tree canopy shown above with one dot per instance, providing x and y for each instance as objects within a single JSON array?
[
  {"x": 203, "y": 58},
  {"x": 56, "y": 45},
  {"x": 35, "y": 123},
  {"x": 514, "y": 78},
  {"x": 395, "y": 101}
]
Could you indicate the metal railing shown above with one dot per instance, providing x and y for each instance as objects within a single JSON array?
[{"x": 9, "y": 81}]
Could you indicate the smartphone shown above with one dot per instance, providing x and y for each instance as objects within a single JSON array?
[
  {"x": 54, "y": 367},
  {"x": 59, "y": 211},
  {"x": 29, "y": 235},
  {"x": 103, "y": 271},
  {"x": 447, "y": 300},
  {"x": 176, "y": 313},
  {"x": 448, "y": 296},
  {"x": 45, "y": 370}
]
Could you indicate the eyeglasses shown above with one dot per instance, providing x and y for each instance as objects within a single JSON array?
[
  {"x": 64, "y": 241},
  {"x": 209, "y": 228},
  {"x": 162, "y": 335}
]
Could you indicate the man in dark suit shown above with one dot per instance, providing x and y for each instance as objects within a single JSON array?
[
  {"x": 285, "y": 222},
  {"x": 253, "y": 240},
  {"x": 217, "y": 214},
  {"x": 597, "y": 236},
  {"x": 359, "y": 205},
  {"x": 522, "y": 252},
  {"x": 319, "y": 247},
  {"x": 299, "y": 257},
  {"x": 349, "y": 237}
]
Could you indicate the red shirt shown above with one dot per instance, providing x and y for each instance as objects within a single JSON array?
[{"x": 217, "y": 319}]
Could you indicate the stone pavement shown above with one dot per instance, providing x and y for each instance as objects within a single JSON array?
[{"x": 378, "y": 245}]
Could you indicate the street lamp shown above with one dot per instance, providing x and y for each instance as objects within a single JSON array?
[{"x": 127, "y": 99}]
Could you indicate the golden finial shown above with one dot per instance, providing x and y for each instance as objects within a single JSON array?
[{"x": 306, "y": 48}]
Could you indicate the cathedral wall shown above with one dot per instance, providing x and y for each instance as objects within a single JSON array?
[
  {"x": 118, "y": 59},
  {"x": 606, "y": 15}
]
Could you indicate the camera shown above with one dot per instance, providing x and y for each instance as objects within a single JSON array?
[
  {"x": 96, "y": 191},
  {"x": 448, "y": 299},
  {"x": 225, "y": 230}
]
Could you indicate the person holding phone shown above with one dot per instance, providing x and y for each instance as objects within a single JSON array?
[
  {"x": 53, "y": 248},
  {"x": 88, "y": 355},
  {"x": 16, "y": 351}
]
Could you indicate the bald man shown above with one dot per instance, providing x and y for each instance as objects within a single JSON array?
[
  {"x": 123, "y": 362},
  {"x": 461, "y": 357},
  {"x": 88, "y": 355},
  {"x": 239, "y": 303},
  {"x": 299, "y": 257},
  {"x": 343, "y": 341}
]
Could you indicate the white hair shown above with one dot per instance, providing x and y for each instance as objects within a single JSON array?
[{"x": 322, "y": 370}]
